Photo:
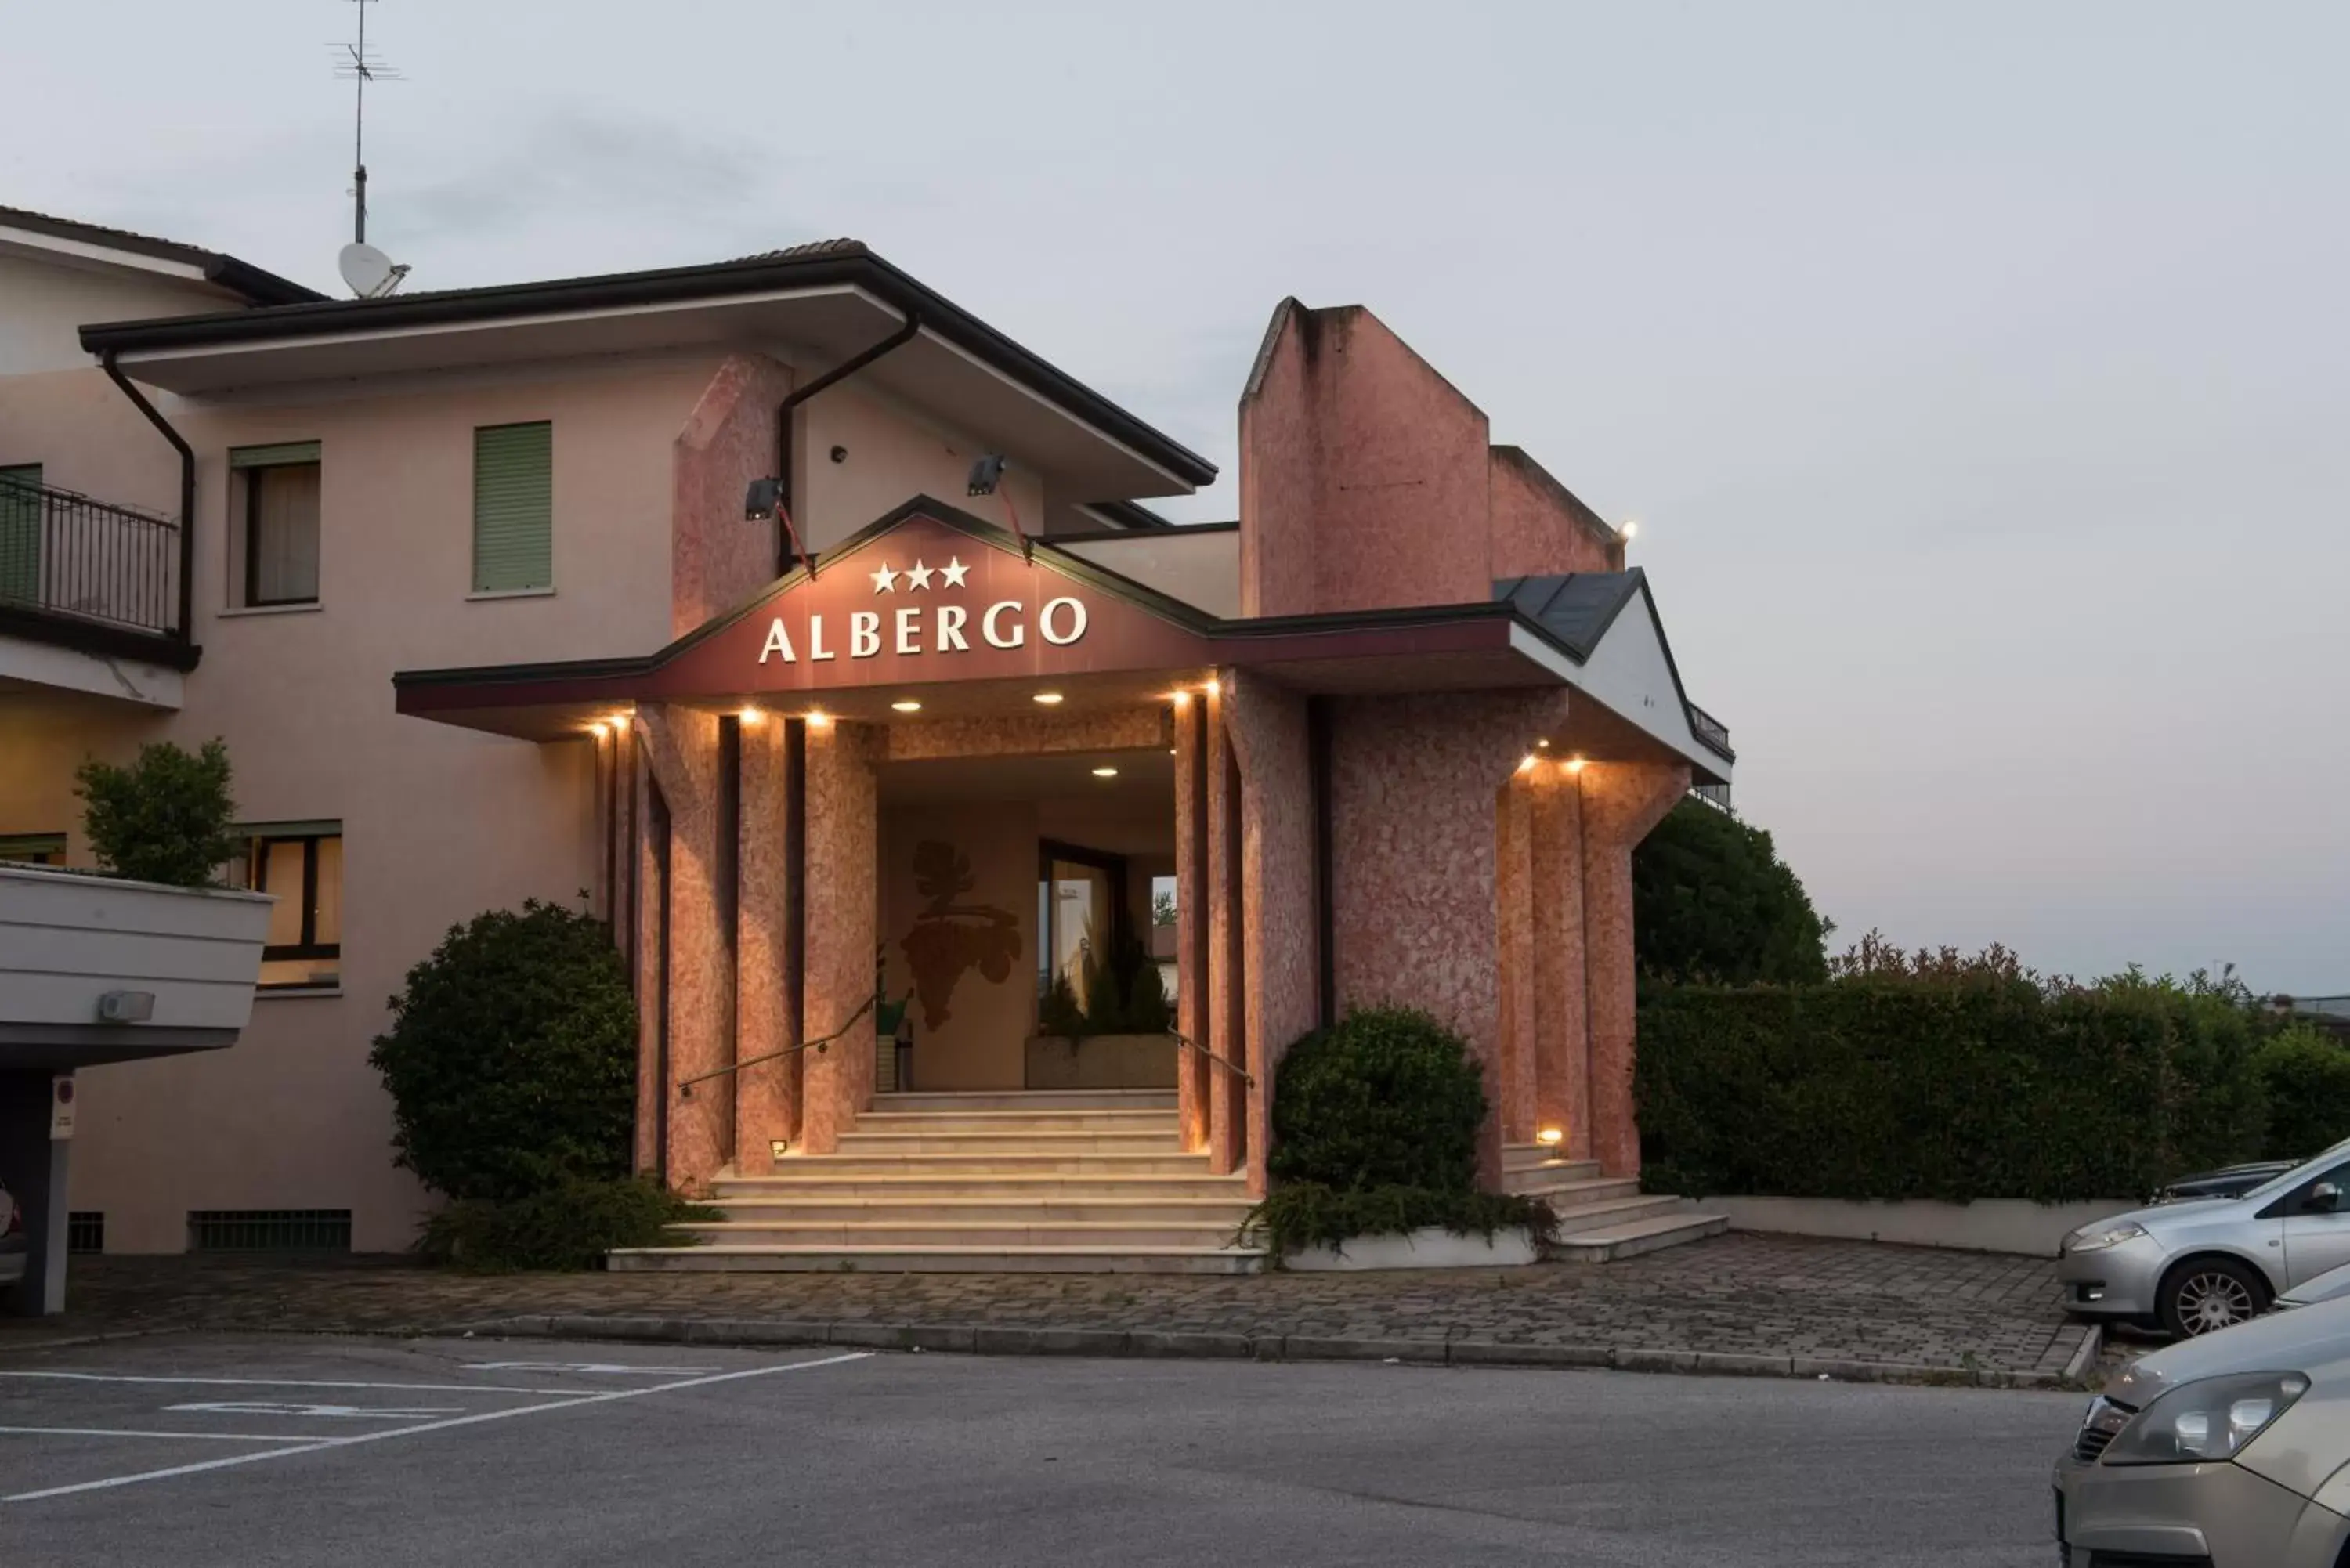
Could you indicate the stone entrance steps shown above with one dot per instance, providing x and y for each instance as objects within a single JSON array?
[
  {"x": 1602, "y": 1218},
  {"x": 1070, "y": 1181}
]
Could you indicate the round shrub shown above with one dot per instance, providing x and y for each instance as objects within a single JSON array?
[
  {"x": 510, "y": 1059},
  {"x": 1387, "y": 1098}
]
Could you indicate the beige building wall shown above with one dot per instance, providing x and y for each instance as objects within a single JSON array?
[
  {"x": 979, "y": 1044},
  {"x": 892, "y": 454},
  {"x": 439, "y": 822}
]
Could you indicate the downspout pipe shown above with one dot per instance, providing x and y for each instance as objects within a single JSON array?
[
  {"x": 187, "y": 628},
  {"x": 798, "y": 395}
]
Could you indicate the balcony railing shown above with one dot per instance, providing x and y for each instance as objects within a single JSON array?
[
  {"x": 1709, "y": 730},
  {"x": 73, "y": 556}
]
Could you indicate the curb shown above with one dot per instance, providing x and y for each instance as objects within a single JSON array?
[
  {"x": 2093, "y": 1346},
  {"x": 981, "y": 1339}
]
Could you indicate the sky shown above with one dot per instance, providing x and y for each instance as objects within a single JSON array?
[{"x": 1980, "y": 375}]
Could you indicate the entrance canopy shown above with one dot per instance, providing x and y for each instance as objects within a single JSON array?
[{"x": 932, "y": 612}]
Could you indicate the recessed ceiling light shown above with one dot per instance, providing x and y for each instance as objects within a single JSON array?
[
  {"x": 907, "y": 705},
  {"x": 750, "y": 715},
  {"x": 818, "y": 719},
  {"x": 1047, "y": 697},
  {"x": 1105, "y": 772}
]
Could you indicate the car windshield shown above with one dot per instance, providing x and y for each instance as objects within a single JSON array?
[{"x": 2302, "y": 1172}]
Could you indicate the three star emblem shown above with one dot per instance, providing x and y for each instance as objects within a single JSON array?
[{"x": 918, "y": 575}]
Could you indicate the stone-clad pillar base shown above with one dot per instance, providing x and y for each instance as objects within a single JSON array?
[
  {"x": 1228, "y": 978},
  {"x": 766, "y": 1097},
  {"x": 841, "y": 929},
  {"x": 1621, "y": 802},
  {"x": 1562, "y": 1056},
  {"x": 697, "y": 988}
]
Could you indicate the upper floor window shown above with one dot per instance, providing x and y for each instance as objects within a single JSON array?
[
  {"x": 302, "y": 864},
  {"x": 20, "y": 531},
  {"x": 514, "y": 508},
  {"x": 274, "y": 497}
]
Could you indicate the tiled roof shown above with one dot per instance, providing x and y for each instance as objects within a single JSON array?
[
  {"x": 218, "y": 267},
  {"x": 842, "y": 247}
]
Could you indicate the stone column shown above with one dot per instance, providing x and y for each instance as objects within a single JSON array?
[
  {"x": 643, "y": 914},
  {"x": 766, "y": 1097},
  {"x": 1418, "y": 906},
  {"x": 1279, "y": 948},
  {"x": 1561, "y": 1054},
  {"x": 1621, "y": 802},
  {"x": 1226, "y": 1033},
  {"x": 841, "y": 926},
  {"x": 1192, "y": 943},
  {"x": 681, "y": 747},
  {"x": 1514, "y": 920}
]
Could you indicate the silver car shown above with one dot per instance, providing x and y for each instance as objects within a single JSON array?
[
  {"x": 2228, "y": 1451},
  {"x": 2210, "y": 1262}
]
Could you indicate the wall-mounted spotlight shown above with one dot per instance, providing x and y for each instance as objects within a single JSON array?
[
  {"x": 987, "y": 479},
  {"x": 765, "y": 498}
]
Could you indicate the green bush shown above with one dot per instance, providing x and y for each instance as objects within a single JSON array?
[
  {"x": 569, "y": 1226},
  {"x": 2307, "y": 1076},
  {"x": 165, "y": 818},
  {"x": 512, "y": 1058},
  {"x": 1943, "y": 1079},
  {"x": 1387, "y": 1098},
  {"x": 1711, "y": 901},
  {"x": 1300, "y": 1214}
]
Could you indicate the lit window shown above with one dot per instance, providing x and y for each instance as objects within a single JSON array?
[{"x": 302, "y": 864}]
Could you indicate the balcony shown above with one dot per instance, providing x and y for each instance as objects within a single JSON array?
[{"x": 85, "y": 586}]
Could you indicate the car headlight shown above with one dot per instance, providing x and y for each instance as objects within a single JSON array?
[
  {"x": 2208, "y": 1420},
  {"x": 2096, "y": 1238}
]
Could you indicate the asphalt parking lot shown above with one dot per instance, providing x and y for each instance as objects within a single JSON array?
[{"x": 228, "y": 1450}]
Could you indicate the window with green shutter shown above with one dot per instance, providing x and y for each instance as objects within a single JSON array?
[
  {"x": 20, "y": 533},
  {"x": 514, "y": 507}
]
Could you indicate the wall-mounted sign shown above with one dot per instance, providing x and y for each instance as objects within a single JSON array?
[
  {"x": 61, "y": 1108},
  {"x": 924, "y": 620}
]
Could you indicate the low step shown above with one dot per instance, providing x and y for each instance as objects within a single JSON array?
[
  {"x": 1075, "y": 1119},
  {"x": 1028, "y": 1100},
  {"x": 1607, "y": 1244},
  {"x": 1574, "y": 1218},
  {"x": 1076, "y": 1206},
  {"x": 817, "y": 1182},
  {"x": 1013, "y": 1141},
  {"x": 722, "y": 1259},
  {"x": 1521, "y": 1156},
  {"x": 1561, "y": 1191},
  {"x": 1515, "y": 1177},
  {"x": 1024, "y": 1161},
  {"x": 911, "y": 1233}
]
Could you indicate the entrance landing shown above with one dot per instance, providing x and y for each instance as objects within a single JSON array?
[{"x": 1067, "y": 1181}]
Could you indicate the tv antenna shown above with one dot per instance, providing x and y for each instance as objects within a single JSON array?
[{"x": 368, "y": 270}]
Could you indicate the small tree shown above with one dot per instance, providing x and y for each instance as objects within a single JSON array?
[
  {"x": 1713, "y": 902},
  {"x": 511, "y": 1058},
  {"x": 165, "y": 818}
]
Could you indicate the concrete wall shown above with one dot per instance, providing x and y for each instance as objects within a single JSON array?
[
  {"x": 1986, "y": 1225},
  {"x": 43, "y": 303}
]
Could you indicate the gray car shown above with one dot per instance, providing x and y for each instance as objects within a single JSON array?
[
  {"x": 2211, "y": 1262},
  {"x": 2228, "y": 1451}
]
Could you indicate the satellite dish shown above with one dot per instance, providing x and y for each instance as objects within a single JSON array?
[{"x": 366, "y": 269}]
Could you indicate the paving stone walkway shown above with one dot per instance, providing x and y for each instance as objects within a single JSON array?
[{"x": 1773, "y": 1304}]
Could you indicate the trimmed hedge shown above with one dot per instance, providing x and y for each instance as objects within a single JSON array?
[
  {"x": 569, "y": 1226},
  {"x": 1977, "y": 1084},
  {"x": 2307, "y": 1077}
]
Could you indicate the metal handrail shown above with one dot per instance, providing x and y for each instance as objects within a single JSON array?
[
  {"x": 1232, "y": 1067},
  {"x": 685, "y": 1086}
]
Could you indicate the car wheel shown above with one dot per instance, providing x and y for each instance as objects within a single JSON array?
[{"x": 2205, "y": 1293}]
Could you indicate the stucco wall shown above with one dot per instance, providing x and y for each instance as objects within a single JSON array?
[
  {"x": 979, "y": 1044},
  {"x": 42, "y": 304},
  {"x": 893, "y": 454}
]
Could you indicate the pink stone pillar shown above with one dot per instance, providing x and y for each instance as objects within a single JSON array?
[
  {"x": 643, "y": 915},
  {"x": 1227, "y": 977},
  {"x": 1621, "y": 802},
  {"x": 1514, "y": 920},
  {"x": 1561, "y": 1052},
  {"x": 1417, "y": 883},
  {"x": 840, "y": 924},
  {"x": 1280, "y": 949},
  {"x": 680, "y": 746},
  {"x": 1191, "y": 941},
  {"x": 766, "y": 1097}
]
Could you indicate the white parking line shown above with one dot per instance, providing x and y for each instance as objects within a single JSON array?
[
  {"x": 198, "y": 1436},
  {"x": 335, "y": 1412},
  {"x": 281, "y": 1383},
  {"x": 323, "y": 1443},
  {"x": 612, "y": 1368}
]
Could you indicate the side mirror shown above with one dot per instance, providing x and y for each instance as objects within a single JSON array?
[{"x": 2323, "y": 1199}]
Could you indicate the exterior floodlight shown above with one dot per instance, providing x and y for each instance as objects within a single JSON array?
[
  {"x": 984, "y": 474},
  {"x": 760, "y": 500}
]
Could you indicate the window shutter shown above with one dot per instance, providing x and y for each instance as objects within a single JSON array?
[
  {"x": 284, "y": 451},
  {"x": 20, "y": 533},
  {"x": 514, "y": 507}
]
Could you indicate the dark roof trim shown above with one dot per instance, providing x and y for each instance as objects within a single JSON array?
[
  {"x": 846, "y": 264},
  {"x": 1126, "y": 514},
  {"x": 223, "y": 271},
  {"x": 1105, "y": 536}
]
